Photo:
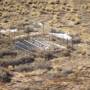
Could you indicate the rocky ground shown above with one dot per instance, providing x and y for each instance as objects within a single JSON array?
[{"x": 69, "y": 70}]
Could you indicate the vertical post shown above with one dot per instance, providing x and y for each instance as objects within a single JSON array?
[
  {"x": 67, "y": 42},
  {"x": 14, "y": 38},
  {"x": 43, "y": 28},
  {"x": 63, "y": 41},
  {"x": 50, "y": 37},
  {"x": 28, "y": 35},
  {"x": 72, "y": 42},
  {"x": 9, "y": 37}
]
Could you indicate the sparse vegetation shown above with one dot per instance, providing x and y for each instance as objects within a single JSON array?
[
  {"x": 22, "y": 60},
  {"x": 48, "y": 66},
  {"x": 7, "y": 53},
  {"x": 5, "y": 76}
]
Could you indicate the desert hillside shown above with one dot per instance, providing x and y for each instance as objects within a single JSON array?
[
  {"x": 18, "y": 13},
  {"x": 32, "y": 57}
]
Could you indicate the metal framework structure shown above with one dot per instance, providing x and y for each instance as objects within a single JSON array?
[{"x": 35, "y": 44}]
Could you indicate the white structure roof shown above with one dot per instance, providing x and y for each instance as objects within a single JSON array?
[
  {"x": 62, "y": 36},
  {"x": 8, "y": 30}
]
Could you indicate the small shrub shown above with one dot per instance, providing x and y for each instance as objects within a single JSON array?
[
  {"x": 14, "y": 62},
  {"x": 5, "y": 76},
  {"x": 24, "y": 67},
  {"x": 8, "y": 53}
]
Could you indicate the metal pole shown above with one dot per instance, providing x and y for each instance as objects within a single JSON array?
[
  {"x": 9, "y": 37},
  {"x": 72, "y": 42},
  {"x": 67, "y": 42},
  {"x": 43, "y": 29},
  {"x": 14, "y": 38}
]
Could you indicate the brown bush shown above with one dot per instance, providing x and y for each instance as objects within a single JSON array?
[{"x": 5, "y": 76}]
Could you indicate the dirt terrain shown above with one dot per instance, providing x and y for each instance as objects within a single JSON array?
[{"x": 67, "y": 69}]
